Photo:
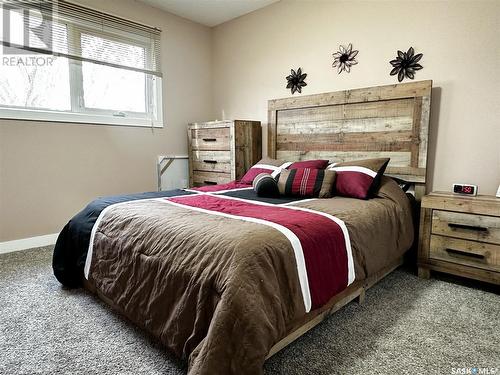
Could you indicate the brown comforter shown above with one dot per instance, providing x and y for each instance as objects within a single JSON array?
[{"x": 219, "y": 291}]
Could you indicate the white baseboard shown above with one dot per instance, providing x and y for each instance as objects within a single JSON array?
[{"x": 28, "y": 243}]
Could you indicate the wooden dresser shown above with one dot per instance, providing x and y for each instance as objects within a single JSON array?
[
  {"x": 222, "y": 151},
  {"x": 460, "y": 235}
]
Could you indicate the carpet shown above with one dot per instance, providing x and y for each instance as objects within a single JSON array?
[{"x": 406, "y": 326}]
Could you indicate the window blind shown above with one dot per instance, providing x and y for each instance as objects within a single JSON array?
[{"x": 48, "y": 27}]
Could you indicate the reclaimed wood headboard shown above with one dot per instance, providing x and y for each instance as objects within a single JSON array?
[{"x": 382, "y": 121}]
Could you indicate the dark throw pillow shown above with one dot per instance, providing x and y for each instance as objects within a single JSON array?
[{"x": 266, "y": 186}]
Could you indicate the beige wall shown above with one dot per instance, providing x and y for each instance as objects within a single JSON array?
[
  {"x": 49, "y": 171},
  {"x": 459, "y": 40}
]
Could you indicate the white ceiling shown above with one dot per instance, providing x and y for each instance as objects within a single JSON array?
[{"x": 209, "y": 12}]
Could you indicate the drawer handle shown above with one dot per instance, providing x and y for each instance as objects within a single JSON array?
[
  {"x": 210, "y": 161},
  {"x": 209, "y": 139},
  {"x": 210, "y": 182},
  {"x": 470, "y": 227},
  {"x": 460, "y": 252}
]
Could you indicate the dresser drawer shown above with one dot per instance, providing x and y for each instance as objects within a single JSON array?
[
  {"x": 210, "y": 139},
  {"x": 465, "y": 252},
  {"x": 211, "y": 161},
  {"x": 210, "y": 178},
  {"x": 467, "y": 226}
]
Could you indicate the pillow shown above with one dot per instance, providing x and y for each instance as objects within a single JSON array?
[
  {"x": 359, "y": 179},
  {"x": 307, "y": 182},
  {"x": 266, "y": 186},
  {"x": 274, "y": 166},
  {"x": 315, "y": 164},
  {"x": 266, "y": 165}
]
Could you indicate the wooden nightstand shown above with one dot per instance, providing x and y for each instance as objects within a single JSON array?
[{"x": 460, "y": 235}]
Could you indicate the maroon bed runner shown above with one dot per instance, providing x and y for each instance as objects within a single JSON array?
[
  {"x": 216, "y": 188},
  {"x": 322, "y": 240}
]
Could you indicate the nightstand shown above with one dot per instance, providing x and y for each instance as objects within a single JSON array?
[{"x": 460, "y": 235}]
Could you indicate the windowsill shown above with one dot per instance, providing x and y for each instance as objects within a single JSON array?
[{"x": 78, "y": 118}]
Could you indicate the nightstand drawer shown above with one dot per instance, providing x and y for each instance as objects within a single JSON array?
[
  {"x": 467, "y": 226},
  {"x": 212, "y": 161},
  {"x": 201, "y": 178},
  {"x": 465, "y": 252},
  {"x": 210, "y": 139}
]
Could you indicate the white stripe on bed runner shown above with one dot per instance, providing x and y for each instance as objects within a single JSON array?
[
  {"x": 297, "y": 201},
  {"x": 217, "y": 191},
  {"x": 192, "y": 190},
  {"x": 340, "y": 223},
  {"x": 294, "y": 241},
  {"x": 225, "y": 191}
]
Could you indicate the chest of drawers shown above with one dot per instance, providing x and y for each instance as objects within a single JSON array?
[
  {"x": 222, "y": 151},
  {"x": 461, "y": 236}
]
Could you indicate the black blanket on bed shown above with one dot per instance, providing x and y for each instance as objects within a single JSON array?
[{"x": 72, "y": 244}]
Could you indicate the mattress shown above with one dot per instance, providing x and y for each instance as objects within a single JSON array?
[{"x": 219, "y": 277}]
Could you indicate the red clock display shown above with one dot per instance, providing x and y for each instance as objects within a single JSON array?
[{"x": 464, "y": 189}]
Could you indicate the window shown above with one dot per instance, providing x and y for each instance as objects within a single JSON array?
[{"x": 93, "y": 68}]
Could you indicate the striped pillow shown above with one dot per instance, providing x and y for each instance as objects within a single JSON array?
[
  {"x": 266, "y": 165},
  {"x": 359, "y": 179},
  {"x": 307, "y": 182},
  {"x": 266, "y": 186}
]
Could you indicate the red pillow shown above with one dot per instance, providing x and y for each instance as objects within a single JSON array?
[
  {"x": 359, "y": 179},
  {"x": 314, "y": 164},
  {"x": 266, "y": 165}
]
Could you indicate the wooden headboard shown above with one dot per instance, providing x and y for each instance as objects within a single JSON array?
[{"x": 382, "y": 121}]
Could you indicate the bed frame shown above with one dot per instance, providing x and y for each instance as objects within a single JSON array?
[{"x": 384, "y": 121}]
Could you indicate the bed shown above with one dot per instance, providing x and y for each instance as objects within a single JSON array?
[{"x": 224, "y": 278}]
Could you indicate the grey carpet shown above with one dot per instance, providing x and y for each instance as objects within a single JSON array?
[{"x": 407, "y": 325}]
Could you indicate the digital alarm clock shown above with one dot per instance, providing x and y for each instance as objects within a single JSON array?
[{"x": 465, "y": 189}]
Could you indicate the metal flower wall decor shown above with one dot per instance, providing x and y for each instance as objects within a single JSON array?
[
  {"x": 406, "y": 64},
  {"x": 344, "y": 58},
  {"x": 296, "y": 80}
]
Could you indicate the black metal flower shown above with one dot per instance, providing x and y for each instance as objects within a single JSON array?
[
  {"x": 296, "y": 80},
  {"x": 344, "y": 58},
  {"x": 406, "y": 64}
]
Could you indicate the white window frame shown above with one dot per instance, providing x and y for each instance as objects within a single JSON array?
[{"x": 153, "y": 117}]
